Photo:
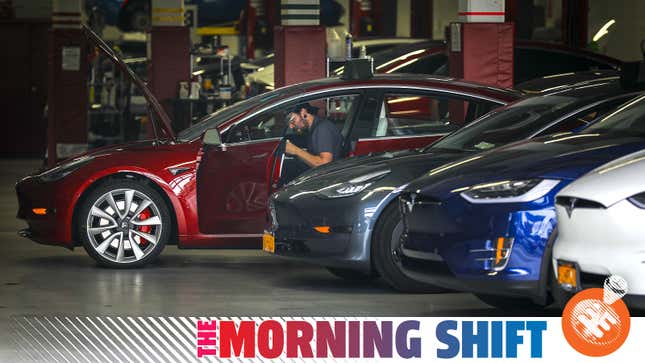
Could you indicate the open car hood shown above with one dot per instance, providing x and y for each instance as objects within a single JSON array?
[{"x": 164, "y": 123}]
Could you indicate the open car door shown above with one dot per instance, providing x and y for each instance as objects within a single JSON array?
[
  {"x": 232, "y": 184},
  {"x": 239, "y": 168}
]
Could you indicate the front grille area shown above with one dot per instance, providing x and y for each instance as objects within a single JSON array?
[
  {"x": 416, "y": 210},
  {"x": 409, "y": 201},
  {"x": 568, "y": 202},
  {"x": 285, "y": 215}
]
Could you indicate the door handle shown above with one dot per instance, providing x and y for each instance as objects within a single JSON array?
[{"x": 260, "y": 156}]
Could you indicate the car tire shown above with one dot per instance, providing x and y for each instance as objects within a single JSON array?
[
  {"x": 120, "y": 239},
  {"x": 509, "y": 304},
  {"x": 350, "y": 275},
  {"x": 387, "y": 233}
]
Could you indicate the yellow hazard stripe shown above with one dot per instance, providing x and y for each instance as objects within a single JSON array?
[
  {"x": 168, "y": 19},
  {"x": 168, "y": 10},
  {"x": 217, "y": 30}
]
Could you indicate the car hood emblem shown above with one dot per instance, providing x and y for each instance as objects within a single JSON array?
[
  {"x": 410, "y": 202},
  {"x": 571, "y": 206}
]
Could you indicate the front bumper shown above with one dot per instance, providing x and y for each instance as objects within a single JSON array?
[
  {"x": 438, "y": 273},
  {"x": 587, "y": 280},
  {"x": 53, "y": 227},
  {"x": 603, "y": 242},
  {"x": 344, "y": 240},
  {"x": 332, "y": 250},
  {"x": 453, "y": 244}
]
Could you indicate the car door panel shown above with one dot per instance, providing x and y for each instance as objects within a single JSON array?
[
  {"x": 232, "y": 187},
  {"x": 374, "y": 145}
]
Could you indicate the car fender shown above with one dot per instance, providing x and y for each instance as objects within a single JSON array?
[
  {"x": 378, "y": 211},
  {"x": 136, "y": 171}
]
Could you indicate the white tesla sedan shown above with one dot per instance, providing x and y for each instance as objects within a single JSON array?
[{"x": 601, "y": 230}]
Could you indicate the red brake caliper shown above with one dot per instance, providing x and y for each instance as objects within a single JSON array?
[{"x": 145, "y": 229}]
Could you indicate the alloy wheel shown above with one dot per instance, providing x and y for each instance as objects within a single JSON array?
[{"x": 124, "y": 225}]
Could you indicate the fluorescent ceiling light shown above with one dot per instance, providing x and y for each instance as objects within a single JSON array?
[{"x": 604, "y": 30}]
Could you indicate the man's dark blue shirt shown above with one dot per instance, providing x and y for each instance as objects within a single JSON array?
[{"x": 324, "y": 136}]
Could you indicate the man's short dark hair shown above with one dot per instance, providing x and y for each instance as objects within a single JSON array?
[{"x": 310, "y": 109}]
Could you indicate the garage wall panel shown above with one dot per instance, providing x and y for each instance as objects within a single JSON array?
[{"x": 23, "y": 89}]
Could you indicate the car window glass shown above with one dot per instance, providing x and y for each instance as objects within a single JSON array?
[
  {"x": 408, "y": 114},
  {"x": 583, "y": 118},
  {"x": 514, "y": 122},
  {"x": 224, "y": 114},
  {"x": 273, "y": 123},
  {"x": 629, "y": 120}
]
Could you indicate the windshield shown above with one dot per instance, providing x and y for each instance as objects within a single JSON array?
[
  {"x": 218, "y": 117},
  {"x": 629, "y": 119},
  {"x": 518, "y": 121}
]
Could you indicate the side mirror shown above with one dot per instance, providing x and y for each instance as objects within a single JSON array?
[{"x": 212, "y": 138}]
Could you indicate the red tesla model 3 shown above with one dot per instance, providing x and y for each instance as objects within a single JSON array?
[{"x": 124, "y": 203}]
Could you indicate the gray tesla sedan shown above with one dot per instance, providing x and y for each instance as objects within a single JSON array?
[{"x": 344, "y": 215}]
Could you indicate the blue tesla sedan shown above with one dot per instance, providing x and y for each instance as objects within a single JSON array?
[{"x": 483, "y": 223}]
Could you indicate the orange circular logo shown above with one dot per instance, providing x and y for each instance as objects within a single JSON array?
[{"x": 595, "y": 322}]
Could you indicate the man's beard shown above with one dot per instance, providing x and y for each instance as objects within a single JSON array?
[{"x": 303, "y": 130}]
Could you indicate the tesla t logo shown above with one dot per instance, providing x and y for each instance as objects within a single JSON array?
[
  {"x": 569, "y": 207},
  {"x": 410, "y": 202}
]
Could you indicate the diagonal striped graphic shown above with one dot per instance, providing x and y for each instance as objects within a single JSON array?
[{"x": 135, "y": 339}]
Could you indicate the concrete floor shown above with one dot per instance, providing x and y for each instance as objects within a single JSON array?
[{"x": 38, "y": 280}]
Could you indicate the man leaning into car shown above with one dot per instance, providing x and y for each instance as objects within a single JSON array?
[{"x": 324, "y": 143}]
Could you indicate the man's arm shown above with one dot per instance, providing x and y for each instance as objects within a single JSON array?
[{"x": 309, "y": 159}]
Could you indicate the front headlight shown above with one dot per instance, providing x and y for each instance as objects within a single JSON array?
[
  {"x": 509, "y": 191},
  {"x": 352, "y": 187},
  {"x": 65, "y": 169}
]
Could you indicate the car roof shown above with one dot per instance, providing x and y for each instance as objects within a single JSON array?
[
  {"x": 519, "y": 43},
  {"x": 557, "y": 82},
  {"x": 412, "y": 80},
  {"x": 591, "y": 89},
  {"x": 582, "y": 94},
  {"x": 556, "y": 47},
  {"x": 420, "y": 49}
]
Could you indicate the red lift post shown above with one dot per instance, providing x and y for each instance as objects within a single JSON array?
[
  {"x": 300, "y": 43},
  {"x": 67, "y": 83},
  {"x": 481, "y": 46},
  {"x": 251, "y": 21},
  {"x": 169, "y": 51}
]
